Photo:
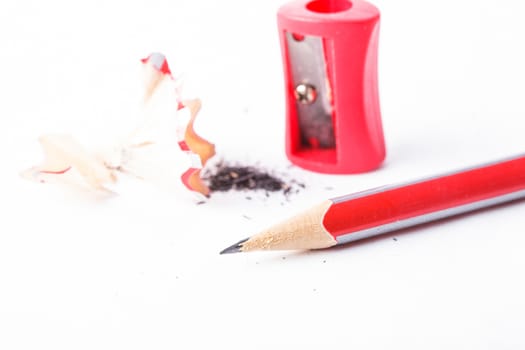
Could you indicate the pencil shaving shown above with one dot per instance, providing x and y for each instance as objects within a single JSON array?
[
  {"x": 64, "y": 156},
  {"x": 162, "y": 148}
]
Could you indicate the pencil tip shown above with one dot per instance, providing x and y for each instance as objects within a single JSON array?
[{"x": 236, "y": 248}]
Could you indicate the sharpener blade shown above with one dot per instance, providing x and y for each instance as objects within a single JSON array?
[{"x": 312, "y": 90}]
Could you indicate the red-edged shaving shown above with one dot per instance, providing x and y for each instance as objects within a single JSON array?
[
  {"x": 197, "y": 148},
  {"x": 58, "y": 172},
  {"x": 158, "y": 61}
]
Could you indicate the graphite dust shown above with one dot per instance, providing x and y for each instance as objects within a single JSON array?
[{"x": 227, "y": 177}]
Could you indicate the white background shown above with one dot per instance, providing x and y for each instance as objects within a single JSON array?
[{"x": 142, "y": 270}]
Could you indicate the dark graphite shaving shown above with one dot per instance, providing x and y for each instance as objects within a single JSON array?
[{"x": 227, "y": 177}]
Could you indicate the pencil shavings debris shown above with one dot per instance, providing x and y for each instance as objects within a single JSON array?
[
  {"x": 63, "y": 156},
  {"x": 164, "y": 144},
  {"x": 198, "y": 149},
  {"x": 232, "y": 177},
  {"x": 229, "y": 177}
]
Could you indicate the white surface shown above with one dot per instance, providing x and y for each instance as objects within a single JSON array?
[{"x": 142, "y": 270}]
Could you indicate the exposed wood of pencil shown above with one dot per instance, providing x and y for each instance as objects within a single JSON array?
[{"x": 304, "y": 231}]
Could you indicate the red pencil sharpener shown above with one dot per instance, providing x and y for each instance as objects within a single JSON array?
[{"x": 329, "y": 50}]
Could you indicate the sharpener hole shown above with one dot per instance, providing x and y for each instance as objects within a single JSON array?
[{"x": 328, "y": 6}]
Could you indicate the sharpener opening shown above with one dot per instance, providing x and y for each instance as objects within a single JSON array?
[{"x": 328, "y": 6}]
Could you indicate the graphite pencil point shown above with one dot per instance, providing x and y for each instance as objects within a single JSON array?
[{"x": 236, "y": 248}]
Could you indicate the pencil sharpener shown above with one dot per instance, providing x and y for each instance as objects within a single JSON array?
[{"x": 333, "y": 118}]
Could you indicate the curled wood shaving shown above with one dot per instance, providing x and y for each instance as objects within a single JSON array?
[{"x": 166, "y": 140}]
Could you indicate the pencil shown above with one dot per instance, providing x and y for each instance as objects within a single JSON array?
[{"x": 385, "y": 209}]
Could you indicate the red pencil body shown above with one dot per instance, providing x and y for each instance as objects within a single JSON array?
[{"x": 390, "y": 208}]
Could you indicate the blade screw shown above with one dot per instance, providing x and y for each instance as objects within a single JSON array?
[{"x": 305, "y": 93}]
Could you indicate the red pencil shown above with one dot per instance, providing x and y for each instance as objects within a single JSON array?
[{"x": 373, "y": 212}]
